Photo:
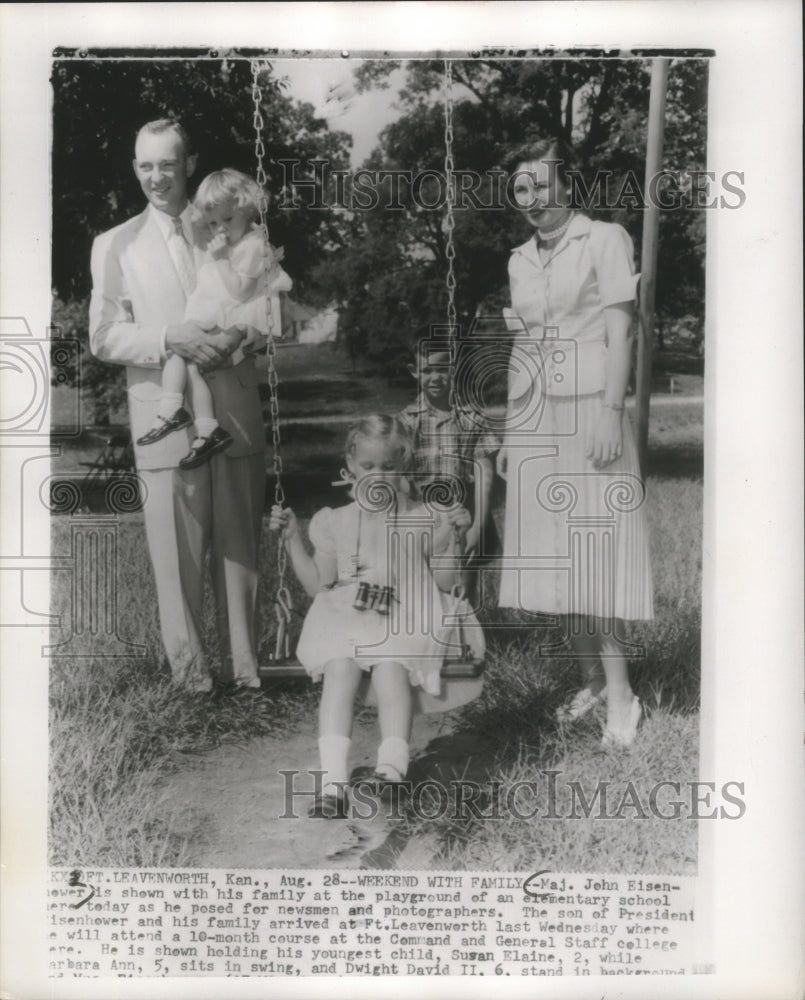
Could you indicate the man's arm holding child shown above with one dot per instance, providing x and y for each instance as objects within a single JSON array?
[{"x": 115, "y": 336}]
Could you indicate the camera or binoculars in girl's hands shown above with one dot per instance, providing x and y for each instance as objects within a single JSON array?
[{"x": 374, "y": 597}]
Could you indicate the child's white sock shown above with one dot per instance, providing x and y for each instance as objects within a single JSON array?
[
  {"x": 333, "y": 753},
  {"x": 205, "y": 426},
  {"x": 169, "y": 404},
  {"x": 392, "y": 758}
]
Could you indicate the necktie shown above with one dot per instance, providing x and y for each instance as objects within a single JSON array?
[{"x": 182, "y": 256}]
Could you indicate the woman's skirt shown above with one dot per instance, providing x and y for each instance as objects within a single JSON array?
[{"x": 575, "y": 537}]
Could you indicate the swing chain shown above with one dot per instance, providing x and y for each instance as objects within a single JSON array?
[
  {"x": 450, "y": 225},
  {"x": 283, "y": 596}
]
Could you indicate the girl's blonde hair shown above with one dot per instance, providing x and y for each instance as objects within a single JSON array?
[
  {"x": 390, "y": 430},
  {"x": 229, "y": 185}
]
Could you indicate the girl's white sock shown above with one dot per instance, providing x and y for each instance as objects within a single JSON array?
[
  {"x": 333, "y": 753},
  {"x": 205, "y": 426},
  {"x": 169, "y": 404},
  {"x": 392, "y": 758}
]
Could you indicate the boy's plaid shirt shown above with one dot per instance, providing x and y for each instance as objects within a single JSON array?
[{"x": 445, "y": 443}]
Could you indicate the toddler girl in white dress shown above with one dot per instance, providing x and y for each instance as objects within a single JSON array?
[{"x": 230, "y": 293}]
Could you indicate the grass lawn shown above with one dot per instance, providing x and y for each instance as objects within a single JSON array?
[{"x": 118, "y": 726}]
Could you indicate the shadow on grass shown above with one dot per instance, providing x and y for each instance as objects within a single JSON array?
[{"x": 508, "y": 748}]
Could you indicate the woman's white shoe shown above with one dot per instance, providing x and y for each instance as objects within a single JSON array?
[
  {"x": 625, "y": 736},
  {"x": 580, "y": 705}
]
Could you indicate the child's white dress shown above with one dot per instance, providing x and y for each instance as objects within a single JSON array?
[
  {"x": 383, "y": 549},
  {"x": 211, "y": 304}
]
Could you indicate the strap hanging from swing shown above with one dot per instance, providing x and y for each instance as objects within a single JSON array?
[{"x": 283, "y": 605}]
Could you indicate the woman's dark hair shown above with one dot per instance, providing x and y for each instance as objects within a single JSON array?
[{"x": 552, "y": 148}]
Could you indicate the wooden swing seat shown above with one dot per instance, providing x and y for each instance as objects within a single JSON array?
[{"x": 291, "y": 668}]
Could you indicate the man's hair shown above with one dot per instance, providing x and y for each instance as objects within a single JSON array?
[{"x": 169, "y": 125}]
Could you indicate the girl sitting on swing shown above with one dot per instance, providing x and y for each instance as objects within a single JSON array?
[{"x": 377, "y": 607}]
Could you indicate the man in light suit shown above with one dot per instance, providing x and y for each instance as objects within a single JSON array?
[{"x": 142, "y": 273}]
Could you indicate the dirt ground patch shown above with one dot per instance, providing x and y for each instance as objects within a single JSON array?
[{"x": 237, "y": 796}]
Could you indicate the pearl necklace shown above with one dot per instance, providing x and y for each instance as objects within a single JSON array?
[{"x": 555, "y": 233}]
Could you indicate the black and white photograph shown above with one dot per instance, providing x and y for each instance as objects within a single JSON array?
[
  {"x": 373, "y": 431},
  {"x": 380, "y": 312}
]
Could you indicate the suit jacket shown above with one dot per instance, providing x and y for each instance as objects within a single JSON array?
[{"x": 136, "y": 293}]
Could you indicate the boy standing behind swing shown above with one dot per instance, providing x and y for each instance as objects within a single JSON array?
[{"x": 453, "y": 446}]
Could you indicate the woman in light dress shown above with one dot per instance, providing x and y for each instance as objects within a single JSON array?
[{"x": 576, "y": 543}]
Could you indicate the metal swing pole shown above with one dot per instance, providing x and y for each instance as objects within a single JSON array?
[{"x": 648, "y": 268}]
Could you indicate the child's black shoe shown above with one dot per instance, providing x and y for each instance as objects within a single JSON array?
[
  {"x": 180, "y": 419},
  {"x": 205, "y": 447}
]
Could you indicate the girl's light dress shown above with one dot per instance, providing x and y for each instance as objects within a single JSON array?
[
  {"x": 211, "y": 304},
  {"x": 576, "y": 539},
  {"x": 382, "y": 549}
]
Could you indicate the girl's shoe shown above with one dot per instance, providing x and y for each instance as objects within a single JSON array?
[
  {"x": 372, "y": 782},
  {"x": 580, "y": 705},
  {"x": 204, "y": 448},
  {"x": 330, "y": 806},
  {"x": 166, "y": 425},
  {"x": 624, "y": 737},
  {"x": 359, "y": 775}
]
